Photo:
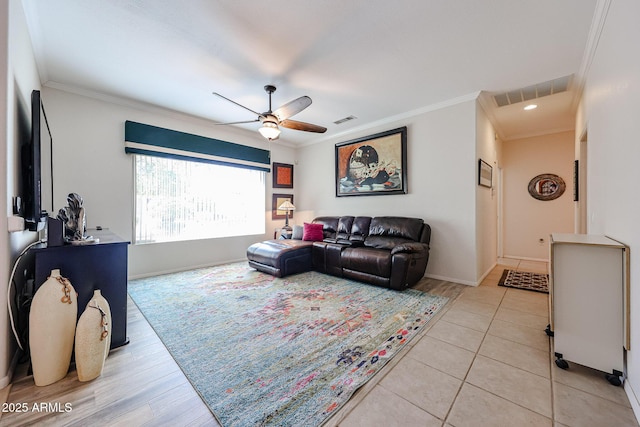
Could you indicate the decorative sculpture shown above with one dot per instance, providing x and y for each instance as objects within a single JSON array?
[{"x": 73, "y": 218}]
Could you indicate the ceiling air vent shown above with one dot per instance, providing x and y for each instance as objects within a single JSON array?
[
  {"x": 346, "y": 119},
  {"x": 532, "y": 92}
]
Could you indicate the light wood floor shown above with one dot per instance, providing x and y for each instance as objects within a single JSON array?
[{"x": 141, "y": 385}]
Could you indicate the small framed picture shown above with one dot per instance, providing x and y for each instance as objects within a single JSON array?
[
  {"x": 277, "y": 200},
  {"x": 485, "y": 174},
  {"x": 282, "y": 175},
  {"x": 576, "y": 180}
]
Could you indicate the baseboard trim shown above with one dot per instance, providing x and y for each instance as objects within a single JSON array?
[
  {"x": 486, "y": 273},
  {"x": 525, "y": 258},
  {"x": 633, "y": 399},
  {"x": 451, "y": 279},
  {"x": 179, "y": 270},
  {"x": 6, "y": 380}
]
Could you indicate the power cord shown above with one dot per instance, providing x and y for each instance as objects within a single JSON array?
[{"x": 13, "y": 272}]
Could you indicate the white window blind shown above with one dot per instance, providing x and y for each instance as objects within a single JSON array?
[{"x": 187, "y": 200}]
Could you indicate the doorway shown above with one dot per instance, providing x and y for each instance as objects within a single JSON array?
[{"x": 581, "y": 182}]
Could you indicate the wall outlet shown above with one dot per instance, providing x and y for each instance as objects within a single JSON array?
[{"x": 15, "y": 223}]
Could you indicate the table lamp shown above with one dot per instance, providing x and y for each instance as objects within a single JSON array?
[{"x": 286, "y": 206}]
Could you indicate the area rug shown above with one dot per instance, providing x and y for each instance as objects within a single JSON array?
[
  {"x": 288, "y": 352},
  {"x": 525, "y": 280}
]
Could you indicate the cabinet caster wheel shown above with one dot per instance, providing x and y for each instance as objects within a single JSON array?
[
  {"x": 613, "y": 380},
  {"x": 548, "y": 331},
  {"x": 562, "y": 364}
]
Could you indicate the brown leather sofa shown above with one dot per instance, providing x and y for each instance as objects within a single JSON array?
[{"x": 386, "y": 251}]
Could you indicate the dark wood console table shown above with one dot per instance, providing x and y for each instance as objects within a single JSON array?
[{"x": 101, "y": 266}]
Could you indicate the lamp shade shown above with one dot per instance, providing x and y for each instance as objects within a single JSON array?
[
  {"x": 269, "y": 130},
  {"x": 286, "y": 206}
]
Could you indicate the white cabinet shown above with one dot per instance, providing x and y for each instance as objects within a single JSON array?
[{"x": 589, "y": 301}]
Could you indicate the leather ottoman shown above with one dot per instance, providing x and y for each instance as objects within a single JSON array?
[{"x": 281, "y": 257}]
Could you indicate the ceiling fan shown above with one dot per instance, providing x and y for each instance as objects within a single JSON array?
[{"x": 280, "y": 117}]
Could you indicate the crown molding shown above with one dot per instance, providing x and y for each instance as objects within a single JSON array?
[
  {"x": 595, "y": 32},
  {"x": 486, "y": 103},
  {"x": 33, "y": 27},
  {"x": 151, "y": 108},
  {"x": 398, "y": 117},
  {"x": 536, "y": 134}
]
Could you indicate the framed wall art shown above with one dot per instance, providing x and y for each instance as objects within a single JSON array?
[
  {"x": 282, "y": 175},
  {"x": 546, "y": 186},
  {"x": 576, "y": 180},
  {"x": 373, "y": 165},
  {"x": 277, "y": 200},
  {"x": 485, "y": 173}
]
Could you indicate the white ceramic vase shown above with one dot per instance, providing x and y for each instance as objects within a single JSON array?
[
  {"x": 93, "y": 338},
  {"x": 104, "y": 304},
  {"x": 52, "y": 326}
]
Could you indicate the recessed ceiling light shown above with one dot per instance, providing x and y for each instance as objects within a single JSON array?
[{"x": 531, "y": 107}]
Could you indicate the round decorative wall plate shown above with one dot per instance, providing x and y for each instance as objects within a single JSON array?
[{"x": 546, "y": 186}]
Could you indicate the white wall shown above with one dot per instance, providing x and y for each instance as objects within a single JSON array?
[
  {"x": 18, "y": 76},
  {"x": 5, "y": 258},
  {"x": 89, "y": 159},
  {"x": 527, "y": 220},
  {"x": 611, "y": 108},
  {"x": 441, "y": 186},
  {"x": 486, "y": 198}
]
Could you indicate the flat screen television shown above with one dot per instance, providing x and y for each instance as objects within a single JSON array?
[{"x": 31, "y": 165}]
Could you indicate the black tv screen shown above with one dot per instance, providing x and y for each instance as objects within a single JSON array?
[{"x": 31, "y": 159}]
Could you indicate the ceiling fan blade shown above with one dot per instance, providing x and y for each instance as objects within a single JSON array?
[
  {"x": 239, "y": 105},
  {"x": 291, "y": 108},
  {"x": 238, "y": 123},
  {"x": 307, "y": 127}
]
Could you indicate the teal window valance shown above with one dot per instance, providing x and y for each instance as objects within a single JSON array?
[{"x": 150, "y": 140}]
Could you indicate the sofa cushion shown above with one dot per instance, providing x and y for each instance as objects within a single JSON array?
[
  {"x": 329, "y": 226},
  {"x": 312, "y": 232},
  {"x": 391, "y": 226},
  {"x": 344, "y": 228},
  {"x": 269, "y": 251},
  {"x": 298, "y": 232},
  {"x": 360, "y": 228}
]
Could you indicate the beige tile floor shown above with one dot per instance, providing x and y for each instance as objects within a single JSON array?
[{"x": 487, "y": 361}]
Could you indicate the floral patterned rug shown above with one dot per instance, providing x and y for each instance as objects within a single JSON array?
[{"x": 267, "y": 351}]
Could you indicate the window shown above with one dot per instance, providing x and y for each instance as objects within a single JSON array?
[{"x": 187, "y": 200}]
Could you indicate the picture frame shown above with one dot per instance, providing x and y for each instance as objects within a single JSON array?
[
  {"x": 374, "y": 165},
  {"x": 282, "y": 175},
  {"x": 485, "y": 174},
  {"x": 576, "y": 180},
  {"x": 277, "y": 200}
]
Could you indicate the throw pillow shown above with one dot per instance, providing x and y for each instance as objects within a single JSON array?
[
  {"x": 298, "y": 232},
  {"x": 312, "y": 232}
]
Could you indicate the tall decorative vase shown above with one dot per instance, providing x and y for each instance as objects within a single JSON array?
[
  {"x": 52, "y": 326},
  {"x": 93, "y": 338},
  {"x": 102, "y": 301}
]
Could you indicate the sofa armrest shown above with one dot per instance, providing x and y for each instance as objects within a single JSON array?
[{"x": 410, "y": 248}]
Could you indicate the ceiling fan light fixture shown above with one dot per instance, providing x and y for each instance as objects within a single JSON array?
[{"x": 269, "y": 130}]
